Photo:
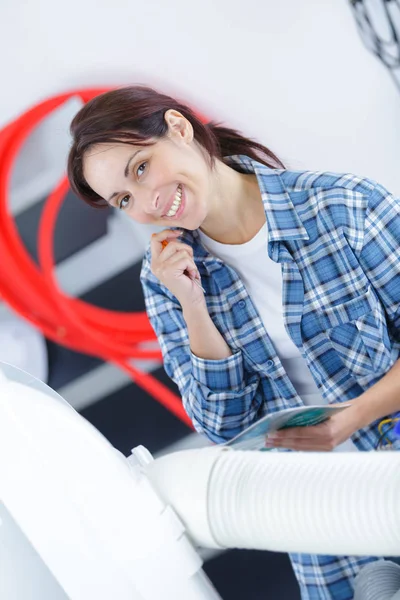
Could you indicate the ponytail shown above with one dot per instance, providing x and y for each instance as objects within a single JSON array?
[{"x": 230, "y": 142}]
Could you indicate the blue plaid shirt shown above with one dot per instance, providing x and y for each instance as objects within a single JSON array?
[{"x": 337, "y": 238}]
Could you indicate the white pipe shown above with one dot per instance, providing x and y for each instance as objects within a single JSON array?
[
  {"x": 379, "y": 580},
  {"x": 316, "y": 503}
]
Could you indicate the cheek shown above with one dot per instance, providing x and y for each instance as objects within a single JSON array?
[
  {"x": 139, "y": 216},
  {"x": 160, "y": 175}
]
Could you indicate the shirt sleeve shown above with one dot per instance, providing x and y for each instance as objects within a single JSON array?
[
  {"x": 218, "y": 395},
  {"x": 380, "y": 253}
]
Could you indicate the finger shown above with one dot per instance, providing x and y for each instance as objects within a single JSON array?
[
  {"x": 294, "y": 443},
  {"x": 316, "y": 438},
  {"x": 157, "y": 239},
  {"x": 288, "y": 441},
  {"x": 302, "y": 433},
  {"x": 301, "y": 445},
  {"x": 174, "y": 247},
  {"x": 166, "y": 234},
  {"x": 197, "y": 276},
  {"x": 182, "y": 254},
  {"x": 194, "y": 274},
  {"x": 174, "y": 267},
  {"x": 190, "y": 265}
]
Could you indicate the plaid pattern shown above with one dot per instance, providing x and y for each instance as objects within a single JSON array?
[{"x": 337, "y": 240}]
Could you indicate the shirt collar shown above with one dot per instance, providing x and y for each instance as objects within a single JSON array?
[{"x": 282, "y": 218}]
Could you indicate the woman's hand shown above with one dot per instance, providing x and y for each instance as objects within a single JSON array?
[
  {"x": 320, "y": 438},
  {"x": 172, "y": 263}
]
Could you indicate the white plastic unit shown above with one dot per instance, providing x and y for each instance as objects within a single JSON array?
[{"x": 91, "y": 515}]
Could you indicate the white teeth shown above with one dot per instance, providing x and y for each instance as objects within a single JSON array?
[{"x": 176, "y": 203}]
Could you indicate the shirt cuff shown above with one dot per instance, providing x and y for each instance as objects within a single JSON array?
[{"x": 220, "y": 375}]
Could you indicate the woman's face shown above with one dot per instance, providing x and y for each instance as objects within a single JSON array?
[{"x": 168, "y": 184}]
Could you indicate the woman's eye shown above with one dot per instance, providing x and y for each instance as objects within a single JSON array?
[
  {"x": 123, "y": 202},
  {"x": 141, "y": 169}
]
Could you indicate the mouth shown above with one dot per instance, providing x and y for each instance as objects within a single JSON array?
[{"x": 177, "y": 204}]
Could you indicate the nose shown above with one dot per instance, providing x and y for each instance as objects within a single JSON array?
[{"x": 151, "y": 203}]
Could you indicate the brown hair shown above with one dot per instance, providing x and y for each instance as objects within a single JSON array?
[{"x": 135, "y": 115}]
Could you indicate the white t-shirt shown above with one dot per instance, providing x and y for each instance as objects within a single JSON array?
[{"x": 262, "y": 278}]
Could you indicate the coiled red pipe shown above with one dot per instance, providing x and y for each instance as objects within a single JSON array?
[{"x": 33, "y": 291}]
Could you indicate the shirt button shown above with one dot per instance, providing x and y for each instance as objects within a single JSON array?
[
  {"x": 241, "y": 304},
  {"x": 270, "y": 364}
]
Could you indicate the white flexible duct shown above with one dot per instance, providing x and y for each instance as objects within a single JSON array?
[
  {"x": 379, "y": 580},
  {"x": 315, "y": 503}
]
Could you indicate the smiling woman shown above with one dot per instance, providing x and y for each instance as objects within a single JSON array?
[{"x": 300, "y": 272}]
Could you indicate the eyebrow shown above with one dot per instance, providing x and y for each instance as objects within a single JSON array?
[{"x": 126, "y": 172}]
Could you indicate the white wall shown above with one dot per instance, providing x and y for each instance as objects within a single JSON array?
[{"x": 294, "y": 74}]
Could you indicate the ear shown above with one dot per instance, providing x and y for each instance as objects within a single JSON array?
[{"x": 179, "y": 128}]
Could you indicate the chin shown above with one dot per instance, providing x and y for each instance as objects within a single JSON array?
[
  {"x": 192, "y": 225},
  {"x": 197, "y": 221}
]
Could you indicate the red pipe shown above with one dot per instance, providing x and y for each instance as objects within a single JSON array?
[{"x": 33, "y": 291}]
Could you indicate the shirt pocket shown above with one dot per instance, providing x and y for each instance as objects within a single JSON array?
[{"x": 357, "y": 330}]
